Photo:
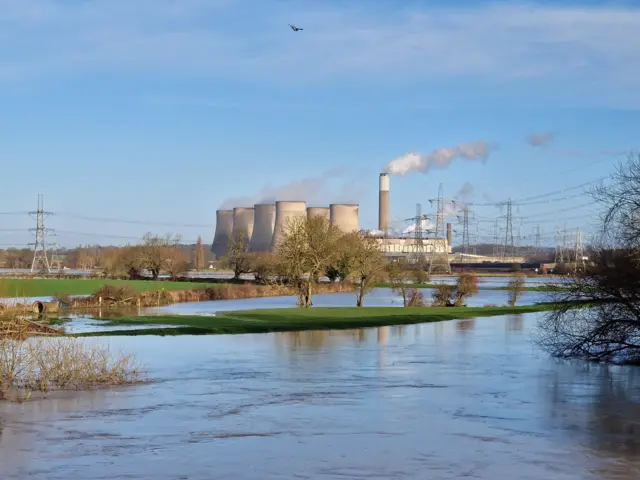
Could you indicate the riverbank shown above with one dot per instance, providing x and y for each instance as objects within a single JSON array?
[
  {"x": 537, "y": 288},
  {"x": 297, "y": 319},
  {"x": 47, "y": 287}
]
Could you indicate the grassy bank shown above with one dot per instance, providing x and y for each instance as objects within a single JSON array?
[
  {"x": 45, "y": 287},
  {"x": 541, "y": 288},
  {"x": 295, "y": 319}
]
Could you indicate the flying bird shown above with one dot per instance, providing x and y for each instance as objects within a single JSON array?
[{"x": 294, "y": 28}]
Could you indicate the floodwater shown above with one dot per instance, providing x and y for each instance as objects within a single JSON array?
[
  {"x": 381, "y": 297},
  {"x": 470, "y": 398}
]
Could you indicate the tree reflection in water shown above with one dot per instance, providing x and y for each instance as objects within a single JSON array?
[
  {"x": 515, "y": 322},
  {"x": 465, "y": 326},
  {"x": 600, "y": 403}
]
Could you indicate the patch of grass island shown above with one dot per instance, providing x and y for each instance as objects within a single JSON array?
[{"x": 300, "y": 319}]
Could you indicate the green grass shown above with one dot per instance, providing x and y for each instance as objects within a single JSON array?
[
  {"x": 296, "y": 319},
  {"x": 19, "y": 287},
  {"x": 541, "y": 288}
]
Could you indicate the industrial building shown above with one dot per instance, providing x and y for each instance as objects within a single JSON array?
[{"x": 263, "y": 226}]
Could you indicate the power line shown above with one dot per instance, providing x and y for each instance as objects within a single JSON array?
[{"x": 134, "y": 222}]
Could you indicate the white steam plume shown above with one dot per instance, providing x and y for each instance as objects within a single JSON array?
[
  {"x": 317, "y": 189},
  {"x": 439, "y": 158},
  {"x": 465, "y": 194}
]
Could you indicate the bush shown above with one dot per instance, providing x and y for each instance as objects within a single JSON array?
[
  {"x": 415, "y": 298},
  {"x": 419, "y": 275},
  {"x": 116, "y": 294},
  {"x": 442, "y": 295},
  {"x": 45, "y": 364},
  {"x": 466, "y": 287}
]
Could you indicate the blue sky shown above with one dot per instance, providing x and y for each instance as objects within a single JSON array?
[{"x": 163, "y": 110}]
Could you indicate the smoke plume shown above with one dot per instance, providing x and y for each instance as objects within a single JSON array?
[
  {"x": 540, "y": 139},
  {"x": 316, "y": 189},
  {"x": 439, "y": 158},
  {"x": 465, "y": 194}
]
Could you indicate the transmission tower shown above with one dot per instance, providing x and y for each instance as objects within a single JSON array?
[
  {"x": 579, "y": 250},
  {"x": 440, "y": 247},
  {"x": 508, "y": 234},
  {"x": 561, "y": 238},
  {"x": 465, "y": 234},
  {"x": 496, "y": 245},
  {"x": 418, "y": 238},
  {"x": 537, "y": 241},
  {"x": 40, "y": 246},
  {"x": 55, "y": 258}
]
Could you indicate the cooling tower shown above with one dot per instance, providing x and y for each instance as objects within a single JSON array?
[
  {"x": 449, "y": 235},
  {"x": 383, "y": 203},
  {"x": 263, "y": 223},
  {"x": 284, "y": 211},
  {"x": 344, "y": 216},
  {"x": 318, "y": 212},
  {"x": 242, "y": 222},
  {"x": 224, "y": 227}
]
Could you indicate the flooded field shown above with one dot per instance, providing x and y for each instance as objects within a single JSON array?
[
  {"x": 381, "y": 297},
  {"x": 470, "y": 398}
]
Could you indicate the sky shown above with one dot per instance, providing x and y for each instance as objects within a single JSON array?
[{"x": 148, "y": 115}]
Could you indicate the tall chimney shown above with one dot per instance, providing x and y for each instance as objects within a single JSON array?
[
  {"x": 383, "y": 203},
  {"x": 449, "y": 236}
]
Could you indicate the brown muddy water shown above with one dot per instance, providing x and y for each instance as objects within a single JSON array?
[{"x": 471, "y": 398}]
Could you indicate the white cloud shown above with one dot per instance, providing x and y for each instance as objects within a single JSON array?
[{"x": 223, "y": 38}]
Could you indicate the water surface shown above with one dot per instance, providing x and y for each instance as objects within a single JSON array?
[{"x": 470, "y": 398}]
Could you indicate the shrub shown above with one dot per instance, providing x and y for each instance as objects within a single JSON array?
[
  {"x": 45, "y": 364},
  {"x": 116, "y": 294},
  {"x": 419, "y": 275},
  {"x": 442, "y": 295},
  {"x": 415, "y": 298}
]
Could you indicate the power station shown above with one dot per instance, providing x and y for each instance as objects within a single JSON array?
[{"x": 263, "y": 226}]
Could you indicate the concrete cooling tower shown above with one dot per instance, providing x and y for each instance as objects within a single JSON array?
[
  {"x": 263, "y": 224},
  {"x": 318, "y": 212},
  {"x": 284, "y": 211},
  {"x": 224, "y": 227},
  {"x": 242, "y": 222},
  {"x": 344, "y": 216}
]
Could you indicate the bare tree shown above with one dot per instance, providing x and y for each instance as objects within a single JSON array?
[
  {"x": 238, "y": 258},
  {"x": 443, "y": 295},
  {"x": 367, "y": 264},
  {"x": 308, "y": 248},
  {"x": 606, "y": 326},
  {"x": 400, "y": 279},
  {"x": 263, "y": 266},
  {"x": 155, "y": 251},
  {"x": 198, "y": 255},
  {"x": 466, "y": 286},
  {"x": 176, "y": 263},
  {"x": 515, "y": 288}
]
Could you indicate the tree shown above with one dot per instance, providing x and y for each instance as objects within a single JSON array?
[
  {"x": 340, "y": 266},
  {"x": 176, "y": 263},
  {"x": 443, "y": 295},
  {"x": 367, "y": 264},
  {"x": 308, "y": 248},
  {"x": 606, "y": 327},
  {"x": 198, "y": 255},
  {"x": 515, "y": 287},
  {"x": 419, "y": 275},
  {"x": 467, "y": 286},
  {"x": 263, "y": 266},
  {"x": 238, "y": 258},
  {"x": 155, "y": 251},
  {"x": 399, "y": 278}
]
